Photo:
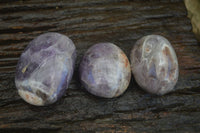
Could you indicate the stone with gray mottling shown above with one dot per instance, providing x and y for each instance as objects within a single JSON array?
[{"x": 154, "y": 64}]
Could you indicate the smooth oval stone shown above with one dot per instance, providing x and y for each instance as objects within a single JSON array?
[
  {"x": 45, "y": 69},
  {"x": 154, "y": 64},
  {"x": 105, "y": 70}
]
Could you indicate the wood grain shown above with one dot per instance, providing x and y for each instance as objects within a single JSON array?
[{"x": 87, "y": 22}]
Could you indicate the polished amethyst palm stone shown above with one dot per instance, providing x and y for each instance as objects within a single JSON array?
[
  {"x": 154, "y": 64},
  {"x": 105, "y": 70},
  {"x": 45, "y": 69}
]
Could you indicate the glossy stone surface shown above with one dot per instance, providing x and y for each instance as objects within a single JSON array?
[
  {"x": 105, "y": 70},
  {"x": 45, "y": 69},
  {"x": 154, "y": 64}
]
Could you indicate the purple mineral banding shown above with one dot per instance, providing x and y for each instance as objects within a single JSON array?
[
  {"x": 105, "y": 70},
  {"x": 45, "y": 69},
  {"x": 154, "y": 64}
]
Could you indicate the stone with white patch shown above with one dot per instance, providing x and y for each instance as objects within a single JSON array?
[
  {"x": 154, "y": 64},
  {"x": 45, "y": 69},
  {"x": 105, "y": 70}
]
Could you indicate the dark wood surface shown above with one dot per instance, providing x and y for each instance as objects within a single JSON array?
[{"x": 87, "y": 22}]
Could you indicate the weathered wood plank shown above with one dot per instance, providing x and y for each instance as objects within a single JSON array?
[{"x": 87, "y": 22}]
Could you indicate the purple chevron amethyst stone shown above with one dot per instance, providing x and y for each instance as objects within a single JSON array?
[
  {"x": 45, "y": 69},
  {"x": 105, "y": 70}
]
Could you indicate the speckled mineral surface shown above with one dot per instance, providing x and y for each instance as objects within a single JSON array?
[
  {"x": 154, "y": 64},
  {"x": 45, "y": 69},
  {"x": 105, "y": 70}
]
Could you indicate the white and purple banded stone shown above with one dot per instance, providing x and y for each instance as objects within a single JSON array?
[
  {"x": 154, "y": 64},
  {"x": 105, "y": 70},
  {"x": 45, "y": 69}
]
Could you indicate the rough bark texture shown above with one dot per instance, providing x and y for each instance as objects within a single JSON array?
[{"x": 88, "y": 22}]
